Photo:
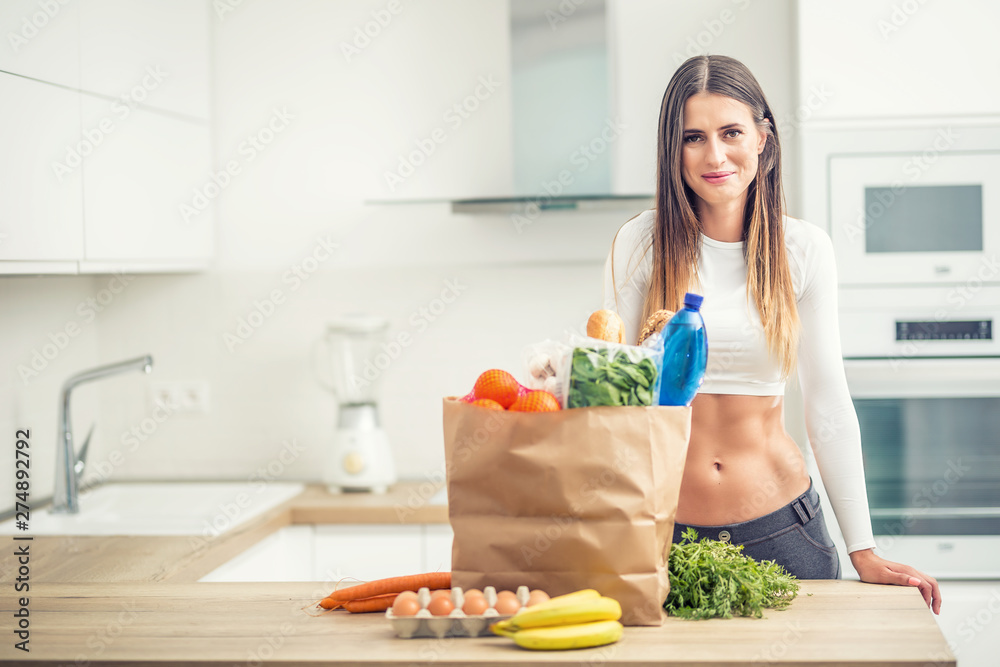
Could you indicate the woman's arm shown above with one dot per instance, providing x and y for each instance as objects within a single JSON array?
[{"x": 832, "y": 423}]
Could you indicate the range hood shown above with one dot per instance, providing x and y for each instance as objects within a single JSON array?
[
  {"x": 563, "y": 120},
  {"x": 563, "y": 125}
]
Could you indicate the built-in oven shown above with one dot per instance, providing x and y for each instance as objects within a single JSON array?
[
  {"x": 930, "y": 430},
  {"x": 924, "y": 376},
  {"x": 913, "y": 209}
]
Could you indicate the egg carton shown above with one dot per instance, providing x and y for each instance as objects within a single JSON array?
[{"x": 455, "y": 624}]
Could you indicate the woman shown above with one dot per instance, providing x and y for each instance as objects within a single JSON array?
[{"x": 770, "y": 289}]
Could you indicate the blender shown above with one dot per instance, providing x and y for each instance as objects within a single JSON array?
[{"x": 360, "y": 458}]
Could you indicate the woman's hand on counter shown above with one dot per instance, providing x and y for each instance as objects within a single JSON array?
[{"x": 874, "y": 569}]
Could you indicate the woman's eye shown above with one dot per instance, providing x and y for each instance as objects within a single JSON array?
[
  {"x": 691, "y": 138},
  {"x": 732, "y": 134}
]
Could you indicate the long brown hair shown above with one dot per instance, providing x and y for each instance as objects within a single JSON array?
[{"x": 676, "y": 241}]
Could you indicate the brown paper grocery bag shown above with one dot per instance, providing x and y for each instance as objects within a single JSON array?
[{"x": 561, "y": 501}]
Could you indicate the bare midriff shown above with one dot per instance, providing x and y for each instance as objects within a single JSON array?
[{"x": 741, "y": 463}]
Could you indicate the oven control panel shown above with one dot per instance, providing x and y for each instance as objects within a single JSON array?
[{"x": 953, "y": 330}]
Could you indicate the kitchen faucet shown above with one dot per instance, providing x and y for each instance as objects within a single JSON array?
[{"x": 69, "y": 466}]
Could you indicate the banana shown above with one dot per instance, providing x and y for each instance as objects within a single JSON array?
[
  {"x": 562, "y": 613},
  {"x": 577, "y": 596},
  {"x": 580, "y": 635}
]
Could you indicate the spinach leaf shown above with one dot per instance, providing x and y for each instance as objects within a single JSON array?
[{"x": 603, "y": 376}]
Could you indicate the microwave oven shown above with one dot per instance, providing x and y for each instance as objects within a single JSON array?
[{"x": 915, "y": 218}]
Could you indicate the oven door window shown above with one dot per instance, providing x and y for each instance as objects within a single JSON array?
[{"x": 932, "y": 465}]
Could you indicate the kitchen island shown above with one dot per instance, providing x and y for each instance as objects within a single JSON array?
[{"x": 129, "y": 600}]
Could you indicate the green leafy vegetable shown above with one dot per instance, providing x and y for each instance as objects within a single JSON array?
[
  {"x": 601, "y": 376},
  {"x": 712, "y": 579}
]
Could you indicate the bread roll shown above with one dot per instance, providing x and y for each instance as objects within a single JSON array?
[
  {"x": 606, "y": 325},
  {"x": 655, "y": 323}
]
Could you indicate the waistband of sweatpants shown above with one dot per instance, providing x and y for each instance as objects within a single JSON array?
[{"x": 801, "y": 510}]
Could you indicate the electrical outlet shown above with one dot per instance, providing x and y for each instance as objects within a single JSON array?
[{"x": 190, "y": 396}]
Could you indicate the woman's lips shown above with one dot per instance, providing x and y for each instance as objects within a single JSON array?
[{"x": 717, "y": 177}]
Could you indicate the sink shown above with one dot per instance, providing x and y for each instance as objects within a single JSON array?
[{"x": 160, "y": 508}]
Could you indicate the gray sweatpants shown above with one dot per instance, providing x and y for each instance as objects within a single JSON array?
[{"x": 793, "y": 536}]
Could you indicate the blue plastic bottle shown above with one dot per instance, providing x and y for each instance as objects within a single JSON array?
[{"x": 685, "y": 354}]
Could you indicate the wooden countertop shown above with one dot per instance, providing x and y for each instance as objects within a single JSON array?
[
  {"x": 831, "y": 623},
  {"x": 122, "y": 558},
  {"x": 133, "y": 599}
]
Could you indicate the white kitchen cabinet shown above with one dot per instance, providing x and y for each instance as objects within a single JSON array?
[
  {"x": 438, "y": 538},
  {"x": 861, "y": 59},
  {"x": 122, "y": 41},
  {"x": 41, "y": 40},
  {"x": 116, "y": 173},
  {"x": 286, "y": 555},
  {"x": 141, "y": 190},
  {"x": 970, "y": 621},
  {"x": 41, "y": 217},
  {"x": 334, "y": 552},
  {"x": 367, "y": 552}
]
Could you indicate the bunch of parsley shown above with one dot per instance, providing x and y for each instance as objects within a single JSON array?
[{"x": 712, "y": 579}]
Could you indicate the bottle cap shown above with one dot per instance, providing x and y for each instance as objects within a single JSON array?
[{"x": 692, "y": 300}]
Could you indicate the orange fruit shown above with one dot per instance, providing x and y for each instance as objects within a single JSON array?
[
  {"x": 536, "y": 401},
  {"x": 487, "y": 403},
  {"x": 499, "y": 386}
]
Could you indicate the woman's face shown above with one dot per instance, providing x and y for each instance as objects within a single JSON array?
[{"x": 721, "y": 146}]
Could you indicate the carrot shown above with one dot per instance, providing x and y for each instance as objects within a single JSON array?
[
  {"x": 413, "y": 582},
  {"x": 377, "y": 603}
]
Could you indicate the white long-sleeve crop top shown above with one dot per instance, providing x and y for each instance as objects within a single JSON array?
[{"x": 739, "y": 361}]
